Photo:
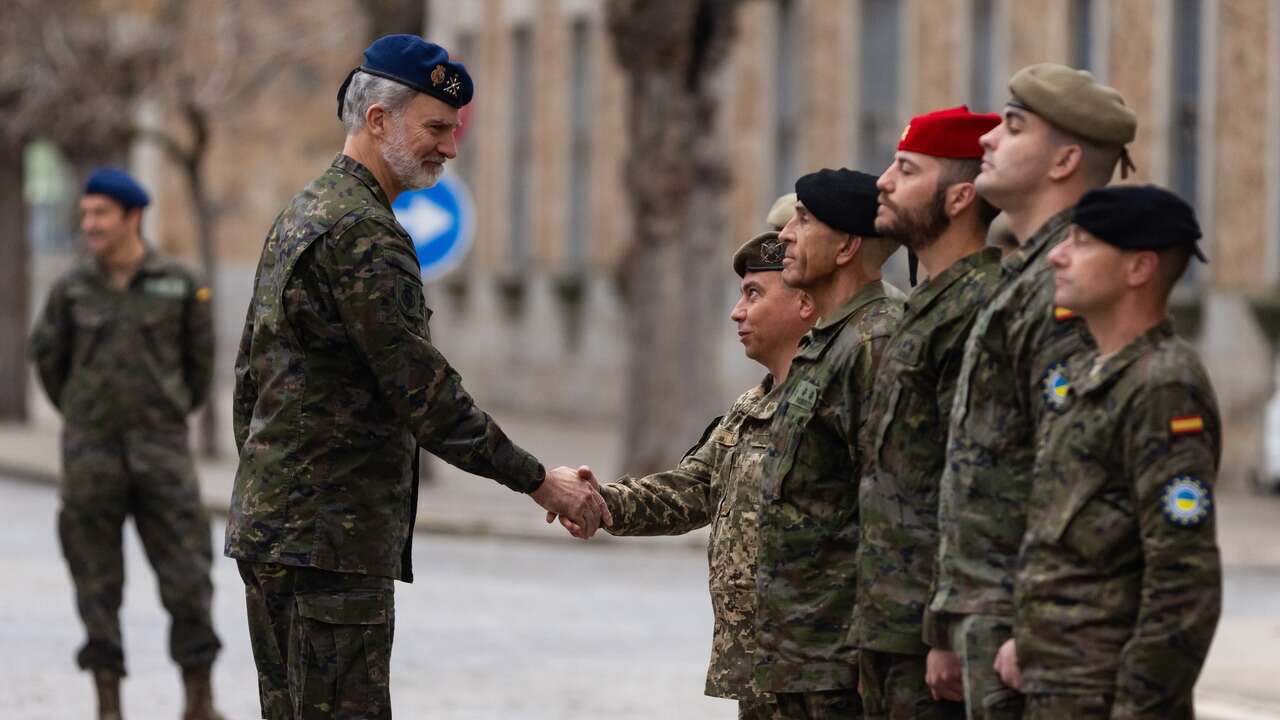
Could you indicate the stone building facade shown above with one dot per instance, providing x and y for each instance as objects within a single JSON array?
[{"x": 532, "y": 317}]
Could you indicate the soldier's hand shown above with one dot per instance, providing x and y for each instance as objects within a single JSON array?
[
  {"x": 574, "y": 495},
  {"x": 1007, "y": 665},
  {"x": 944, "y": 674}
]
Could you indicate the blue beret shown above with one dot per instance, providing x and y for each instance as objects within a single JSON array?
[
  {"x": 1139, "y": 217},
  {"x": 117, "y": 185},
  {"x": 423, "y": 66},
  {"x": 844, "y": 199}
]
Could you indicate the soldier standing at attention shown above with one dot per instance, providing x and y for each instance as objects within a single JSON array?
[
  {"x": 338, "y": 384},
  {"x": 1120, "y": 586},
  {"x": 1062, "y": 134},
  {"x": 927, "y": 202},
  {"x": 809, "y": 499},
  {"x": 124, "y": 350},
  {"x": 718, "y": 481}
]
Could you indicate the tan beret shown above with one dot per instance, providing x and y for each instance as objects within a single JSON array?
[
  {"x": 781, "y": 212},
  {"x": 761, "y": 253},
  {"x": 1074, "y": 101}
]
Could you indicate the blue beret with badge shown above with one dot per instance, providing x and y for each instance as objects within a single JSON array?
[
  {"x": 423, "y": 66},
  {"x": 117, "y": 185}
]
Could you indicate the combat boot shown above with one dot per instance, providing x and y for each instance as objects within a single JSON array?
[
  {"x": 199, "y": 689},
  {"x": 107, "y": 685}
]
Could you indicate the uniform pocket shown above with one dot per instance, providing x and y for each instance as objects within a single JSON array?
[{"x": 344, "y": 655}]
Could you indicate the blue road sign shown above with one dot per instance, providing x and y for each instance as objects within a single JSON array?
[{"x": 440, "y": 219}]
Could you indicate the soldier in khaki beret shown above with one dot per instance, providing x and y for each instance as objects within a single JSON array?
[{"x": 1062, "y": 134}]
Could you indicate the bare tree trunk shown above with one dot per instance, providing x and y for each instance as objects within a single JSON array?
[
  {"x": 670, "y": 51},
  {"x": 15, "y": 285}
]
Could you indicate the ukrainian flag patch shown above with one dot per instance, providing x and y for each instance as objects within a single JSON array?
[
  {"x": 1186, "y": 501},
  {"x": 1055, "y": 387}
]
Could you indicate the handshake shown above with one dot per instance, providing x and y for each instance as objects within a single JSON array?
[{"x": 574, "y": 497}]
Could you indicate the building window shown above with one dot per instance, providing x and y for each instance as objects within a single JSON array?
[
  {"x": 580, "y": 148},
  {"x": 466, "y": 53},
  {"x": 982, "y": 56},
  {"x": 786, "y": 105},
  {"x": 521, "y": 145},
  {"x": 1184, "y": 135},
  {"x": 49, "y": 188},
  {"x": 878, "y": 124},
  {"x": 1082, "y": 34}
]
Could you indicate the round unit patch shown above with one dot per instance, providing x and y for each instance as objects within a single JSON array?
[
  {"x": 1055, "y": 386},
  {"x": 1186, "y": 501}
]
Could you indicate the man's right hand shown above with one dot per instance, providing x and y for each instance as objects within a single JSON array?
[
  {"x": 944, "y": 674},
  {"x": 573, "y": 495}
]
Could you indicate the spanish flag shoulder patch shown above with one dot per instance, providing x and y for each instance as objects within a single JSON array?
[
  {"x": 1186, "y": 425},
  {"x": 1060, "y": 313}
]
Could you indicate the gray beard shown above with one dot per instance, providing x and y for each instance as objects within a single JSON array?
[{"x": 408, "y": 171}]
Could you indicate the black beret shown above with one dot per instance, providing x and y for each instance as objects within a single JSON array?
[
  {"x": 423, "y": 66},
  {"x": 117, "y": 185},
  {"x": 1139, "y": 217},
  {"x": 843, "y": 199},
  {"x": 762, "y": 253}
]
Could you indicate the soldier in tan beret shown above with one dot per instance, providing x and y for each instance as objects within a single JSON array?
[{"x": 1062, "y": 134}]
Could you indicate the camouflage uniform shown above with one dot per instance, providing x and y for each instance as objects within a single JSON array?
[
  {"x": 717, "y": 482},
  {"x": 809, "y": 511},
  {"x": 1121, "y": 585},
  {"x": 337, "y": 384},
  {"x": 125, "y": 367},
  {"x": 898, "y": 498},
  {"x": 1010, "y": 377}
]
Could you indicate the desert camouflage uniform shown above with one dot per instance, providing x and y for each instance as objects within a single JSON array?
[
  {"x": 125, "y": 367},
  {"x": 337, "y": 384},
  {"x": 898, "y": 499},
  {"x": 1120, "y": 586},
  {"x": 717, "y": 482},
  {"x": 809, "y": 511},
  {"x": 1009, "y": 379}
]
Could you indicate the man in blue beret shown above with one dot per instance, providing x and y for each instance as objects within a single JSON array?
[
  {"x": 124, "y": 349},
  {"x": 337, "y": 386}
]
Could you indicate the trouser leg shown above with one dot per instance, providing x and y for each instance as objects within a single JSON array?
[{"x": 977, "y": 639}]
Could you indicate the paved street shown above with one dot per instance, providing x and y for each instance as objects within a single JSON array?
[{"x": 492, "y": 629}]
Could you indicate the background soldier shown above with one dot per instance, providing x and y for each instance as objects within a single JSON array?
[
  {"x": 337, "y": 384},
  {"x": 927, "y": 202},
  {"x": 124, "y": 349},
  {"x": 1121, "y": 584},
  {"x": 718, "y": 481},
  {"x": 1062, "y": 135},
  {"x": 809, "y": 511}
]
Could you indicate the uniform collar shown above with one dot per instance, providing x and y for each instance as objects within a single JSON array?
[
  {"x": 762, "y": 400},
  {"x": 150, "y": 264},
  {"x": 1115, "y": 365},
  {"x": 346, "y": 164},
  {"x": 926, "y": 292},
  {"x": 867, "y": 294},
  {"x": 1019, "y": 259}
]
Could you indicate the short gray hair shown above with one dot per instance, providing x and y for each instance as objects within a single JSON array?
[{"x": 367, "y": 90}]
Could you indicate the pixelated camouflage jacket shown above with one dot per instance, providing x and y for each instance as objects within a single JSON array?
[
  {"x": 141, "y": 357},
  {"x": 1008, "y": 381},
  {"x": 809, "y": 510},
  {"x": 906, "y": 443},
  {"x": 337, "y": 384},
  {"x": 717, "y": 482},
  {"x": 1120, "y": 584}
]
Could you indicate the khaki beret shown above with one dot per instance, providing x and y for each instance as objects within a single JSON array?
[
  {"x": 1074, "y": 101},
  {"x": 782, "y": 211},
  {"x": 761, "y": 253}
]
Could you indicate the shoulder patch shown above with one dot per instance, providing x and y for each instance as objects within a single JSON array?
[
  {"x": 1055, "y": 386},
  {"x": 1060, "y": 313},
  {"x": 1186, "y": 425},
  {"x": 168, "y": 287},
  {"x": 204, "y": 294},
  {"x": 1186, "y": 501}
]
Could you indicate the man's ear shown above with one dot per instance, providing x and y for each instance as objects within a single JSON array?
[
  {"x": 958, "y": 197},
  {"x": 1066, "y": 161},
  {"x": 1142, "y": 268},
  {"x": 375, "y": 118},
  {"x": 847, "y": 252},
  {"x": 807, "y": 310}
]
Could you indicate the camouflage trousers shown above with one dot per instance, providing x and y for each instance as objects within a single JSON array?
[
  {"x": 321, "y": 641},
  {"x": 1068, "y": 707},
  {"x": 149, "y": 475},
  {"x": 893, "y": 688},
  {"x": 815, "y": 705},
  {"x": 976, "y": 639}
]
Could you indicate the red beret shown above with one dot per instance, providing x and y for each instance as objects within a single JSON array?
[{"x": 950, "y": 133}]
